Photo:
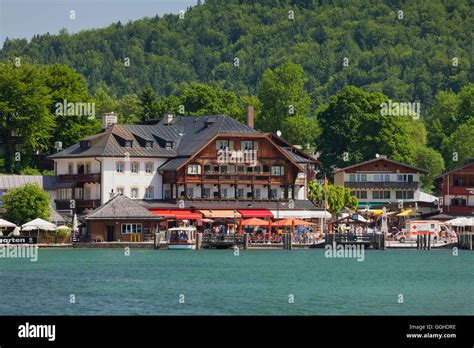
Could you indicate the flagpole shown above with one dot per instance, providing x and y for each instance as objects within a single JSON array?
[{"x": 325, "y": 201}]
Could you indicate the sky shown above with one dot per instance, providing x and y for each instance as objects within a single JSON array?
[{"x": 25, "y": 18}]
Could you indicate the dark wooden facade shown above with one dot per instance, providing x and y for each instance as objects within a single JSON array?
[
  {"x": 212, "y": 172},
  {"x": 110, "y": 230},
  {"x": 457, "y": 190}
]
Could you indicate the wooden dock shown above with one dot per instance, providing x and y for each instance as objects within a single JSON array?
[
  {"x": 369, "y": 240},
  {"x": 465, "y": 239}
]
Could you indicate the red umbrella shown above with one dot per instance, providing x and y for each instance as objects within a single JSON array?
[
  {"x": 255, "y": 222},
  {"x": 292, "y": 222}
]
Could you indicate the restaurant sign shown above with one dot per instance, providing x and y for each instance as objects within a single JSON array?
[{"x": 17, "y": 240}]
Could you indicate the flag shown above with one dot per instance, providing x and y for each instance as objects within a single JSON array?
[{"x": 326, "y": 184}]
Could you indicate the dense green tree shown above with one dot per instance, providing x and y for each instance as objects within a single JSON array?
[
  {"x": 167, "y": 53},
  {"x": 459, "y": 147},
  {"x": 26, "y": 122},
  {"x": 147, "y": 104},
  {"x": 283, "y": 95},
  {"x": 200, "y": 99},
  {"x": 26, "y": 203},
  {"x": 354, "y": 129},
  {"x": 337, "y": 197},
  {"x": 67, "y": 87},
  {"x": 301, "y": 130},
  {"x": 431, "y": 160},
  {"x": 104, "y": 102},
  {"x": 449, "y": 111},
  {"x": 128, "y": 109}
]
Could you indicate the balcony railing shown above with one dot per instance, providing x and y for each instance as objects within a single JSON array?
[
  {"x": 62, "y": 204},
  {"x": 90, "y": 177},
  {"x": 231, "y": 199},
  {"x": 459, "y": 190},
  {"x": 459, "y": 209},
  {"x": 381, "y": 184},
  {"x": 263, "y": 176}
]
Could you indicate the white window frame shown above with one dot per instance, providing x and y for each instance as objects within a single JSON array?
[
  {"x": 120, "y": 165},
  {"x": 133, "y": 228},
  {"x": 149, "y": 193},
  {"x": 277, "y": 170},
  {"x": 136, "y": 165},
  {"x": 194, "y": 169},
  {"x": 149, "y": 167},
  {"x": 223, "y": 144},
  {"x": 78, "y": 193},
  {"x": 247, "y": 145}
]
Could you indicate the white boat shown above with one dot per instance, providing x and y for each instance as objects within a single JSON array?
[{"x": 182, "y": 238}]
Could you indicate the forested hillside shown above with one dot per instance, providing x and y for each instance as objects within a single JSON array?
[
  {"x": 318, "y": 71},
  {"x": 405, "y": 55}
]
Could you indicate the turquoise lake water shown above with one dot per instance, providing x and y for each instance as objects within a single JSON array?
[{"x": 257, "y": 282}]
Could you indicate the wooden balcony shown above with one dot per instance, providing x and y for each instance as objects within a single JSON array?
[
  {"x": 91, "y": 177},
  {"x": 63, "y": 204},
  {"x": 457, "y": 209},
  {"x": 459, "y": 190},
  {"x": 230, "y": 199},
  {"x": 236, "y": 176},
  {"x": 232, "y": 178},
  {"x": 382, "y": 184}
]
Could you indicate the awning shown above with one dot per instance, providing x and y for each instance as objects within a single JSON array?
[
  {"x": 255, "y": 213},
  {"x": 224, "y": 214},
  {"x": 405, "y": 213},
  {"x": 319, "y": 214},
  {"x": 301, "y": 214},
  {"x": 178, "y": 214}
]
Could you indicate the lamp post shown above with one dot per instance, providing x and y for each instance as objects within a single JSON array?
[{"x": 235, "y": 221}]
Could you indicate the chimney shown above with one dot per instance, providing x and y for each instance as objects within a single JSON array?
[
  {"x": 250, "y": 116},
  {"x": 109, "y": 119},
  {"x": 168, "y": 118}
]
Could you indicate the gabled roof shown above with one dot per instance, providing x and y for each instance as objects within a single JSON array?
[
  {"x": 469, "y": 163},
  {"x": 381, "y": 159},
  {"x": 47, "y": 182},
  {"x": 291, "y": 148},
  {"x": 121, "y": 208},
  {"x": 188, "y": 135}
]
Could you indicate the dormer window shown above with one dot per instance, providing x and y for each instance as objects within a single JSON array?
[
  {"x": 85, "y": 144},
  {"x": 169, "y": 145},
  {"x": 149, "y": 144},
  {"x": 223, "y": 144},
  {"x": 128, "y": 143}
]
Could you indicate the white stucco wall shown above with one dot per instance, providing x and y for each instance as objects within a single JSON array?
[{"x": 141, "y": 180}]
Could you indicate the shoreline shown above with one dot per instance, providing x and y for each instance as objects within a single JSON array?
[{"x": 150, "y": 245}]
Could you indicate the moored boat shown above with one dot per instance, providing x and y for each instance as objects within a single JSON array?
[{"x": 182, "y": 238}]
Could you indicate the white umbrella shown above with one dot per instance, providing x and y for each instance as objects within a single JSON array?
[
  {"x": 5, "y": 223},
  {"x": 357, "y": 217},
  {"x": 29, "y": 228},
  {"x": 62, "y": 228},
  {"x": 75, "y": 223},
  {"x": 38, "y": 224},
  {"x": 460, "y": 221},
  {"x": 16, "y": 232}
]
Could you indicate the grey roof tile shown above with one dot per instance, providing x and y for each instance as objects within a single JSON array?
[
  {"x": 188, "y": 135},
  {"x": 121, "y": 207}
]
